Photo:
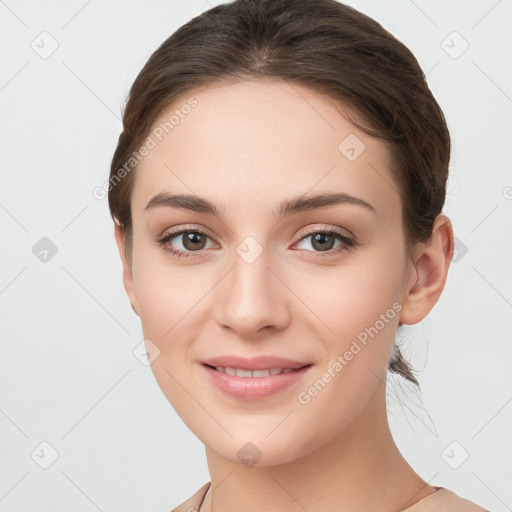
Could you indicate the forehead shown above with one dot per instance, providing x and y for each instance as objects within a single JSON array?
[{"x": 265, "y": 139}]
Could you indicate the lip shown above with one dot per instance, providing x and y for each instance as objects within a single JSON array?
[
  {"x": 255, "y": 388},
  {"x": 255, "y": 363}
]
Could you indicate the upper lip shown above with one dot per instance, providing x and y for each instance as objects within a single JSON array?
[{"x": 254, "y": 363}]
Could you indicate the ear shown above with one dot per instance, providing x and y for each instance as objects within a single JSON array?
[
  {"x": 432, "y": 260},
  {"x": 127, "y": 270}
]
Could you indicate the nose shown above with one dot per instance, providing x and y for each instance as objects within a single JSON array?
[{"x": 252, "y": 298}]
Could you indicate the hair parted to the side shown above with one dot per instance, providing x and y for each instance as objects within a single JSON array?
[{"x": 325, "y": 45}]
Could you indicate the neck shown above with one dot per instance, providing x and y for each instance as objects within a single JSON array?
[{"x": 361, "y": 468}]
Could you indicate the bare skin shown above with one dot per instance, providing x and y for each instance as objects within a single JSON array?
[{"x": 246, "y": 147}]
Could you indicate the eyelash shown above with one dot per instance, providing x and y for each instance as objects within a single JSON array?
[{"x": 347, "y": 242}]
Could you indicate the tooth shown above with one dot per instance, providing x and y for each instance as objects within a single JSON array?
[
  {"x": 261, "y": 373},
  {"x": 239, "y": 372}
]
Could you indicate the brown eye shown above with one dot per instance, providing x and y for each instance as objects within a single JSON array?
[
  {"x": 184, "y": 243},
  {"x": 325, "y": 241},
  {"x": 193, "y": 241},
  {"x": 322, "y": 241}
]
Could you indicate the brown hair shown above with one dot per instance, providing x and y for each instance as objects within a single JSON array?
[{"x": 327, "y": 46}]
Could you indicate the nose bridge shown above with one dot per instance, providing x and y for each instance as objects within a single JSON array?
[{"x": 250, "y": 299}]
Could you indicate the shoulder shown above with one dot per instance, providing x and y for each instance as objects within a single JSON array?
[
  {"x": 194, "y": 502},
  {"x": 447, "y": 501}
]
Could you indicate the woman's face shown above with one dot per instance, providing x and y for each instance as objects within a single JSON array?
[{"x": 263, "y": 279}]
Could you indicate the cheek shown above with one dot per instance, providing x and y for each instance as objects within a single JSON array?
[
  {"x": 169, "y": 299},
  {"x": 172, "y": 317},
  {"x": 350, "y": 299},
  {"x": 164, "y": 292},
  {"x": 360, "y": 306},
  {"x": 362, "y": 311},
  {"x": 174, "y": 305}
]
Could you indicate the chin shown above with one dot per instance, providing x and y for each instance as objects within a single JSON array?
[{"x": 257, "y": 448}]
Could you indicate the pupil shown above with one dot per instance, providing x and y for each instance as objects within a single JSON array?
[{"x": 194, "y": 237}]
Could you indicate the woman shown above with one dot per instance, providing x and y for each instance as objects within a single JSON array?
[{"x": 277, "y": 193}]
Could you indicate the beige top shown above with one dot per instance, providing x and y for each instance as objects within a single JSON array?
[{"x": 441, "y": 500}]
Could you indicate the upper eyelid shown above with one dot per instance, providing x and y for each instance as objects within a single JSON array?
[{"x": 311, "y": 231}]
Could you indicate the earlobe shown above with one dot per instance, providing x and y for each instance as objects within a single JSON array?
[
  {"x": 431, "y": 268},
  {"x": 120, "y": 237}
]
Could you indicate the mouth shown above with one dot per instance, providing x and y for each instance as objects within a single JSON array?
[
  {"x": 245, "y": 373},
  {"x": 257, "y": 380}
]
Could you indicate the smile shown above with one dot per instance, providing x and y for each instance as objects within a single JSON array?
[
  {"x": 244, "y": 384},
  {"x": 240, "y": 372}
]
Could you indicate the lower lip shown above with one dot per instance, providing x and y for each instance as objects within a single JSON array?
[{"x": 254, "y": 388}]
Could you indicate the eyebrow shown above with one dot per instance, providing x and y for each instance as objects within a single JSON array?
[{"x": 290, "y": 206}]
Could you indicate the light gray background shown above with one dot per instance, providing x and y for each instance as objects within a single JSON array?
[{"x": 68, "y": 374}]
